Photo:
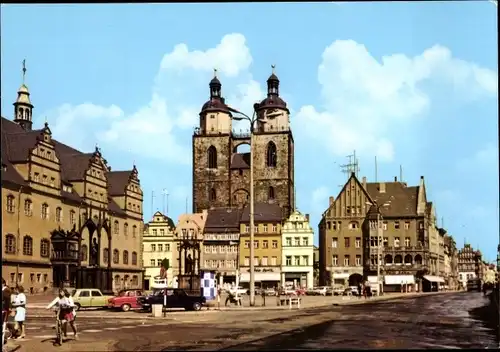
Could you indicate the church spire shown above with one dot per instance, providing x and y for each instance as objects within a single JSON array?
[{"x": 23, "y": 109}]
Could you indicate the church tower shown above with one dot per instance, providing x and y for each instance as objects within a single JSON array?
[
  {"x": 274, "y": 150},
  {"x": 23, "y": 109},
  {"x": 211, "y": 152}
]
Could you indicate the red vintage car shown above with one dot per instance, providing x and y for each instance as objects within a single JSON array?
[{"x": 125, "y": 300}]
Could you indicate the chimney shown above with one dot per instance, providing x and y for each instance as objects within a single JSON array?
[
  {"x": 395, "y": 179},
  {"x": 332, "y": 200},
  {"x": 364, "y": 182},
  {"x": 307, "y": 217},
  {"x": 381, "y": 187}
]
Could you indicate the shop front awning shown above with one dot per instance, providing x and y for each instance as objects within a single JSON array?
[
  {"x": 433, "y": 278},
  {"x": 399, "y": 279},
  {"x": 340, "y": 275},
  {"x": 260, "y": 277}
]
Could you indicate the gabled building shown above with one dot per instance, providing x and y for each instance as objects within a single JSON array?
[
  {"x": 469, "y": 262},
  {"x": 67, "y": 218},
  {"x": 297, "y": 236},
  {"x": 159, "y": 247},
  {"x": 403, "y": 215}
]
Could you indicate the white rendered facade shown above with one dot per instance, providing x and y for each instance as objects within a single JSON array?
[
  {"x": 159, "y": 244},
  {"x": 297, "y": 252}
]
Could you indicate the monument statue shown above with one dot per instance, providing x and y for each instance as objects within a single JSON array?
[
  {"x": 94, "y": 252},
  {"x": 189, "y": 264}
]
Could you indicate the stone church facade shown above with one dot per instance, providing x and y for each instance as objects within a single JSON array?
[{"x": 221, "y": 175}]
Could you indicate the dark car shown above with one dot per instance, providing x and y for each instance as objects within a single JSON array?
[{"x": 176, "y": 298}]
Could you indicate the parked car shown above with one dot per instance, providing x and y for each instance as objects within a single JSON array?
[
  {"x": 240, "y": 291},
  {"x": 90, "y": 298},
  {"x": 176, "y": 298},
  {"x": 270, "y": 292},
  {"x": 320, "y": 291},
  {"x": 125, "y": 300},
  {"x": 338, "y": 290},
  {"x": 351, "y": 291},
  {"x": 288, "y": 291},
  {"x": 301, "y": 291}
]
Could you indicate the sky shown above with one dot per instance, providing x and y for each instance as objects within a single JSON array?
[{"x": 414, "y": 84}]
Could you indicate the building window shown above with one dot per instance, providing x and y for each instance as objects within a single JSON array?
[
  {"x": 155, "y": 232},
  {"x": 247, "y": 261},
  {"x": 384, "y": 225},
  {"x": 105, "y": 256},
  {"x": 296, "y": 241},
  {"x": 264, "y": 228},
  {"x": 346, "y": 260},
  {"x": 335, "y": 260},
  {"x": 407, "y": 241},
  {"x": 255, "y": 244},
  {"x": 153, "y": 248},
  {"x": 116, "y": 227},
  {"x": 347, "y": 242},
  {"x": 83, "y": 253},
  {"x": 134, "y": 231},
  {"x": 358, "y": 260},
  {"x": 125, "y": 229},
  {"x": 247, "y": 244},
  {"x": 265, "y": 244},
  {"x": 44, "y": 248},
  {"x": 45, "y": 211},
  {"x": 116, "y": 256},
  {"x": 396, "y": 241},
  {"x": 264, "y": 261},
  {"x": 275, "y": 228},
  {"x": 288, "y": 260},
  {"x": 28, "y": 207},
  {"x": 11, "y": 204},
  {"x": 272, "y": 157},
  {"x": 270, "y": 193},
  {"x": 407, "y": 225},
  {"x": 58, "y": 214},
  {"x": 274, "y": 260},
  {"x": 353, "y": 225},
  {"x": 396, "y": 225},
  {"x": 72, "y": 217},
  {"x": 288, "y": 241},
  {"x": 152, "y": 262},
  {"x": 212, "y": 157},
  {"x": 296, "y": 260},
  {"x": 256, "y": 229},
  {"x": 213, "y": 195},
  {"x": 358, "y": 242},
  {"x": 275, "y": 245},
  {"x": 134, "y": 258},
  {"x": 160, "y": 247},
  {"x": 305, "y": 241},
  {"x": 27, "y": 245},
  {"x": 335, "y": 242},
  {"x": 10, "y": 244},
  {"x": 305, "y": 260}
]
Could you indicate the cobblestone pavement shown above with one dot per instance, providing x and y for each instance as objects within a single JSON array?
[{"x": 428, "y": 321}]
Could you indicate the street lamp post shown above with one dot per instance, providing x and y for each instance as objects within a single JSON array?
[
  {"x": 252, "y": 121},
  {"x": 379, "y": 242}
]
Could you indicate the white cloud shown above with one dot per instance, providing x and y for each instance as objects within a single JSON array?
[
  {"x": 151, "y": 131},
  {"x": 486, "y": 157},
  {"x": 363, "y": 96}
]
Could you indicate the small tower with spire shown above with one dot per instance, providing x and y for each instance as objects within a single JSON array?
[
  {"x": 23, "y": 109},
  {"x": 215, "y": 117}
]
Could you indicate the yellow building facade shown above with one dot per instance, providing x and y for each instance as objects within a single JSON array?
[{"x": 159, "y": 244}]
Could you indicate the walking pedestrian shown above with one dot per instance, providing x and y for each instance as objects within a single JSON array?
[
  {"x": 6, "y": 305},
  {"x": 20, "y": 307},
  {"x": 71, "y": 317}
]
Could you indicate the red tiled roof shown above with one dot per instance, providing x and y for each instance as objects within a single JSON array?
[
  {"x": 117, "y": 182},
  {"x": 223, "y": 218},
  {"x": 264, "y": 212},
  {"x": 402, "y": 200},
  {"x": 240, "y": 161}
]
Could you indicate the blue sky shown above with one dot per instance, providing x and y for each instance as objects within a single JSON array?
[{"x": 414, "y": 83}]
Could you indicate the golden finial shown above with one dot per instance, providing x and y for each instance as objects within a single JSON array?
[
  {"x": 24, "y": 70},
  {"x": 215, "y": 73},
  {"x": 273, "y": 68}
]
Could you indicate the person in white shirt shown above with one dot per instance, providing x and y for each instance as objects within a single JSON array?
[
  {"x": 64, "y": 309},
  {"x": 20, "y": 306}
]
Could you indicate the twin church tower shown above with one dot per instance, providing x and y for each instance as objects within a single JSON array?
[{"x": 221, "y": 174}]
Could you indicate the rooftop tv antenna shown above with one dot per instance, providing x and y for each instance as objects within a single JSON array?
[{"x": 351, "y": 167}]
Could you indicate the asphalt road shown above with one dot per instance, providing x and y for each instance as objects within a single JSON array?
[
  {"x": 439, "y": 321},
  {"x": 442, "y": 321}
]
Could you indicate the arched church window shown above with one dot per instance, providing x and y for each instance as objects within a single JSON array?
[
  {"x": 213, "y": 194},
  {"x": 270, "y": 193},
  {"x": 272, "y": 157},
  {"x": 21, "y": 113},
  {"x": 212, "y": 157}
]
